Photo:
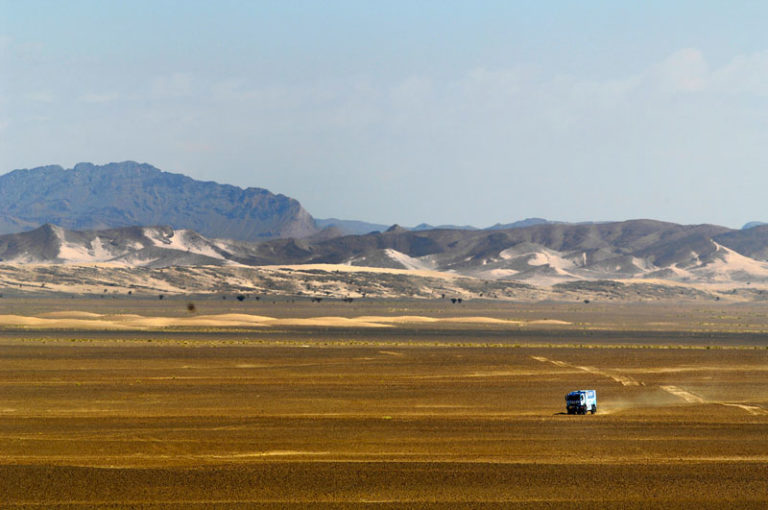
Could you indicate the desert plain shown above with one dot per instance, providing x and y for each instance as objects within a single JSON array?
[{"x": 210, "y": 403}]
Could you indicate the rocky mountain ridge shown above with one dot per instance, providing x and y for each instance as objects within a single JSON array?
[
  {"x": 129, "y": 194},
  {"x": 541, "y": 254}
]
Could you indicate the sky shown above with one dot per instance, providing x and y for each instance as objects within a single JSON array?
[{"x": 444, "y": 112}]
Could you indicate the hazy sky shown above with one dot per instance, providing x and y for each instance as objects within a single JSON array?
[{"x": 466, "y": 112}]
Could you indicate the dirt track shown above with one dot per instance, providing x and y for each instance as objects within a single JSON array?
[{"x": 316, "y": 418}]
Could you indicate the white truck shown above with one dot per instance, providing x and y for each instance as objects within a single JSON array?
[{"x": 581, "y": 401}]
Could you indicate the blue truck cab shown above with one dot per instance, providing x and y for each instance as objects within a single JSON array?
[{"x": 581, "y": 401}]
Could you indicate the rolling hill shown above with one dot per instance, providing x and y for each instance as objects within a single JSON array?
[{"x": 541, "y": 254}]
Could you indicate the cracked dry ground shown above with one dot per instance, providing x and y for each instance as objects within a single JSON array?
[{"x": 210, "y": 423}]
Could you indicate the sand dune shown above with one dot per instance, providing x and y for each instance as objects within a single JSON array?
[
  {"x": 72, "y": 314},
  {"x": 20, "y": 321},
  {"x": 401, "y": 319},
  {"x": 345, "y": 268},
  {"x": 335, "y": 322},
  {"x": 420, "y": 319},
  {"x": 75, "y": 319}
]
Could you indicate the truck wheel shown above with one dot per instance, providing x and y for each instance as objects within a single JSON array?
[{"x": 593, "y": 410}]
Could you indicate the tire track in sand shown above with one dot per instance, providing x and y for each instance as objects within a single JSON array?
[
  {"x": 753, "y": 410},
  {"x": 687, "y": 396},
  {"x": 692, "y": 398},
  {"x": 624, "y": 380}
]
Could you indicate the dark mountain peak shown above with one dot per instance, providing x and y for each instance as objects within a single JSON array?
[
  {"x": 130, "y": 170},
  {"x": 129, "y": 193},
  {"x": 47, "y": 228},
  {"x": 84, "y": 167},
  {"x": 396, "y": 229}
]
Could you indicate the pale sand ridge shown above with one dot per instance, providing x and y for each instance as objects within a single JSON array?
[{"x": 89, "y": 321}]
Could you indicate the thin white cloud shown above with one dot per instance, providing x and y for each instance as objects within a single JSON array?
[
  {"x": 744, "y": 74},
  {"x": 685, "y": 70}
]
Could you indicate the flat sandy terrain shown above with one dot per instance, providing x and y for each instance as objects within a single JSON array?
[{"x": 434, "y": 406}]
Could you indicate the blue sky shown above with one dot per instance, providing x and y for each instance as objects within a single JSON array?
[{"x": 407, "y": 112}]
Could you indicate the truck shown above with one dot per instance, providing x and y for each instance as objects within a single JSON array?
[{"x": 581, "y": 401}]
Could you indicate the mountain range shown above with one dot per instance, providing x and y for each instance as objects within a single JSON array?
[
  {"x": 539, "y": 254},
  {"x": 133, "y": 216},
  {"x": 115, "y": 195},
  {"x": 124, "y": 194}
]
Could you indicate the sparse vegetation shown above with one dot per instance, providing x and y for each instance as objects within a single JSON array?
[{"x": 305, "y": 396}]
